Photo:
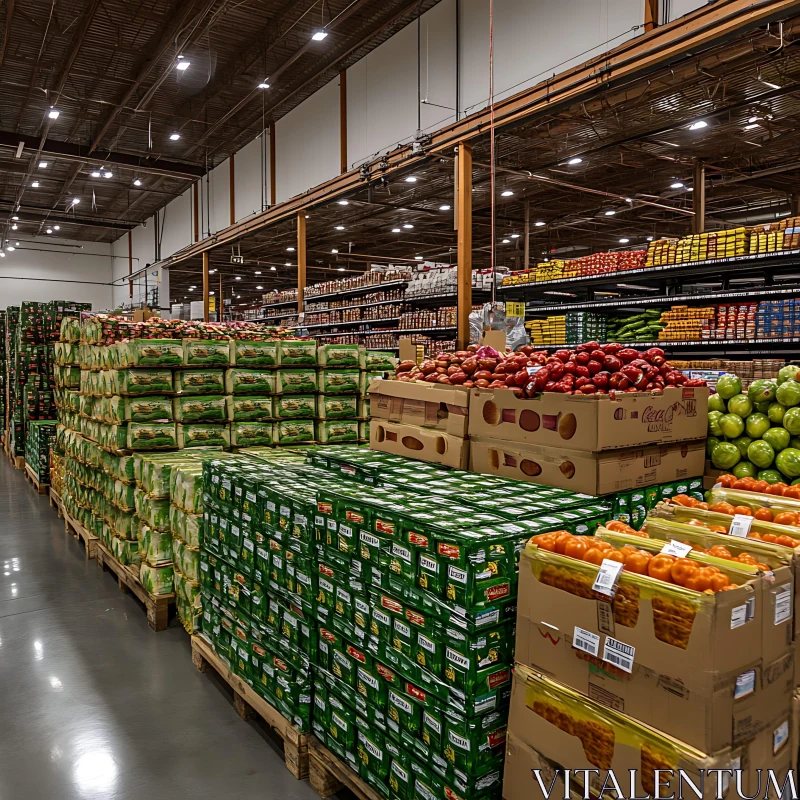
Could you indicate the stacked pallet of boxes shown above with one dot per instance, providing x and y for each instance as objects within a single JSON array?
[
  {"x": 3, "y": 374},
  {"x": 14, "y": 423},
  {"x": 41, "y": 437}
]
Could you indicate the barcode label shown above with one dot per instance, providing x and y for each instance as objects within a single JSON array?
[
  {"x": 619, "y": 654},
  {"x": 607, "y": 577},
  {"x": 741, "y": 615},
  {"x": 740, "y": 526},
  {"x": 679, "y": 549},
  {"x": 783, "y": 604},
  {"x": 586, "y": 640}
]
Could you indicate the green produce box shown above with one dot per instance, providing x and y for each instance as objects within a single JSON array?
[
  {"x": 294, "y": 431},
  {"x": 199, "y": 381},
  {"x": 142, "y": 381},
  {"x": 378, "y": 360},
  {"x": 338, "y": 406},
  {"x": 206, "y": 352},
  {"x": 296, "y": 381},
  {"x": 140, "y": 409},
  {"x": 201, "y": 435},
  {"x": 296, "y": 406},
  {"x": 297, "y": 352},
  {"x": 152, "y": 436},
  {"x": 250, "y": 353},
  {"x": 340, "y": 381},
  {"x": 338, "y": 431},
  {"x": 246, "y": 408},
  {"x": 150, "y": 353},
  {"x": 338, "y": 355},
  {"x": 198, "y": 408},
  {"x": 252, "y": 434},
  {"x": 249, "y": 381}
]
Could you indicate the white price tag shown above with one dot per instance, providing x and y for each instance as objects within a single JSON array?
[
  {"x": 741, "y": 525},
  {"x": 586, "y": 640},
  {"x": 741, "y": 615},
  {"x": 607, "y": 577},
  {"x": 619, "y": 654},
  {"x": 783, "y": 604},
  {"x": 679, "y": 549},
  {"x": 532, "y": 370}
]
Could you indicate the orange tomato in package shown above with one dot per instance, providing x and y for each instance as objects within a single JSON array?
[
  {"x": 793, "y": 492},
  {"x": 660, "y": 567},
  {"x": 682, "y": 571},
  {"x": 743, "y": 511},
  {"x": 777, "y": 488},
  {"x": 726, "y": 481},
  {"x": 764, "y": 514},
  {"x": 637, "y": 562},
  {"x": 786, "y": 518},
  {"x": 722, "y": 508}
]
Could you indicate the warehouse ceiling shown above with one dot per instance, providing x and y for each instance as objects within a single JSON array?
[
  {"x": 94, "y": 89},
  {"x": 618, "y": 166}
]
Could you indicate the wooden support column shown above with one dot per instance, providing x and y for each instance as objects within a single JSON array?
[
  {"x": 273, "y": 193},
  {"x": 205, "y": 286},
  {"x": 233, "y": 189},
  {"x": 699, "y": 198},
  {"x": 464, "y": 206},
  {"x": 650, "y": 15},
  {"x": 343, "y": 121},
  {"x": 220, "y": 300},
  {"x": 527, "y": 256},
  {"x": 196, "y": 204},
  {"x": 301, "y": 258},
  {"x": 130, "y": 263}
]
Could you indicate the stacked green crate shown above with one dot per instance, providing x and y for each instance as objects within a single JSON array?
[
  {"x": 296, "y": 387},
  {"x": 41, "y": 437},
  {"x": 340, "y": 393},
  {"x": 416, "y": 588},
  {"x": 250, "y": 384},
  {"x": 15, "y": 431}
]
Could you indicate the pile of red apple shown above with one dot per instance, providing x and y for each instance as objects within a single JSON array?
[{"x": 590, "y": 368}]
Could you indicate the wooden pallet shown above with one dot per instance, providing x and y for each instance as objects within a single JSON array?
[
  {"x": 157, "y": 606},
  {"x": 328, "y": 774},
  {"x": 79, "y": 532},
  {"x": 30, "y": 475},
  {"x": 247, "y": 702},
  {"x": 16, "y": 461},
  {"x": 57, "y": 503}
]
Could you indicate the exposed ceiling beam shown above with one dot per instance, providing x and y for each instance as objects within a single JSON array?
[
  {"x": 7, "y": 30},
  {"x": 77, "y": 152},
  {"x": 32, "y": 212}
]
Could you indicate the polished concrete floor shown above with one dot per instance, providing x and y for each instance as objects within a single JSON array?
[{"x": 93, "y": 704}]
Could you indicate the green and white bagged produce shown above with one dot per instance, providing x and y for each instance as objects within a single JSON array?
[
  {"x": 206, "y": 352},
  {"x": 297, "y": 352},
  {"x": 139, "y": 409},
  {"x": 125, "y": 551},
  {"x": 212, "y": 408},
  {"x": 296, "y": 406},
  {"x": 340, "y": 381},
  {"x": 295, "y": 431},
  {"x": 249, "y": 381},
  {"x": 252, "y": 434},
  {"x": 337, "y": 431},
  {"x": 187, "y": 559},
  {"x": 378, "y": 360},
  {"x": 201, "y": 435},
  {"x": 197, "y": 381},
  {"x": 141, "y": 381},
  {"x": 296, "y": 381},
  {"x": 246, "y": 408},
  {"x": 155, "y": 547},
  {"x": 157, "y": 580},
  {"x": 337, "y": 406},
  {"x": 149, "y": 353},
  {"x": 151, "y": 436},
  {"x": 250, "y": 353},
  {"x": 188, "y": 526},
  {"x": 339, "y": 355}
]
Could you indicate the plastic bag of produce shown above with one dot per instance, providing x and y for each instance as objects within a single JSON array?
[
  {"x": 187, "y": 559},
  {"x": 378, "y": 360},
  {"x": 197, "y": 381},
  {"x": 363, "y": 431},
  {"x": 155, "y": 547},
  {"x": 200, "y": 408},
  {"x": 151, "y": 436},
  {"x": 296, "y": 381},
  {"x": 252, "y": 434},
  {"x": 206, "y": 352},
  {"x": 336, "y": 431},
  {"x": 150, "y": 353},
  {"x": 340, "y": 381},
  {"x": 298, "y": 352},
  {"x": 249, "y": 381},
  {"x": 338, "y": 355},
  {"x": 186, "y": 488},
  {"x": 124, "y": 496},
  {"x": 140, "y": 381},
  {"x": 203, "y": 436},
  {"x": 157, "y": 580},
  {"x": 125, "y": 551},
  {"x": 296, "y": 406},
  {"x": 250, "y": 353},
  {"x": 126, "y": 525},
  {"x": 246, "y": 408},
  {"x": 188, "y": 526},
  {"x": 295, "y": 431},
  {"x": 337, "y": 407},
  {"x": 140, "y": 409}
]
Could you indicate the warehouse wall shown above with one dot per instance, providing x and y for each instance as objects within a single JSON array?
[
  {"x": 672, "y": 9},
  {"x": 251, "y": 172},
  {"x": 41, "y": 270}
]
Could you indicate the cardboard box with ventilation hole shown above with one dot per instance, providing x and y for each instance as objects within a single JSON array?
[
  {"x": 591, "y": 422},
  {"x": 582, "y": 471},
  {"x": 423, "y": 444},
  {"x": 425, "y": 405}
]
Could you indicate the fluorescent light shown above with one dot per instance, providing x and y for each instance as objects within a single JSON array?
[
  {"x": 754, "y": 119},
  {"x": 239, "y": 297},
  {"x": 636, "y": 286},
  {"x": 53, "y": 114},
  {"x": 334, "y": 250},
  {"x": 211, "y": 293},
  {"x": 610, "y": 212},
  {"x": 411, "y": 179},
  {"x": 445, "y": 207},
  {"x": 506, "y": 193},
  {"x": 563, "y": 294},
  {"x": 108, "y": 174},
  {"x": 395, "y": 230},
  {"x": 408, "y": 226},
  {"x": 15, "y": 218},
  {"x": 575, "y": 161},
  {"x": 272, "y": 269},
  {"x": 290, "y": 249},
  {"x": 137, "y": 182},
  {"x": 417, "y": 258},
  {"x": 690, "y": 189},
  {"x": 676, "y": 185},
  {"x": 696, "y": 126},
  {"x": 174, "y": 136},
  {"x": 340, "y": 227},
  {"x": 771, "y": 85},
  {"x": 624, "y": 241},
  {"x": 56, "y": 227},
  {"x": 319, "y": 36},
  {"x": 649, "y": 238},
  {"x": 75, "y": 201},
  {"x": 49, "y": 230},
  {"x": 751, "y": 126},
  {"x": 42, "y": 165},
  {"x": 287, "y": 264},
  {"x": 259, "y": 287},
  {"x": 264, "y": 85},
  {"x": 10, "y": 248},
  {"x": 238, "y": 278},
  {"x": 14, "y": 226},
  {"x": 2, "y": 254},
  {"x": 539, "y": 223},
  {"x": 628, "y": 199},
  {"x": 341, "y": 269},
  {"x": 35, "y": 184},
  {"x": 506, "y": 241},
  {"x": 183, "y": 65},
  {"x": 211, "y": 271},
  {"x": 258, "y": 272},
  {"x": 515, "y": 236},
  {"x": 344, "y": 202},
  {"x": 16, "y": 244}
]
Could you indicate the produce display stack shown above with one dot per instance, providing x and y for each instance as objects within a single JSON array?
[
  {"x": 41, "y": 437},
  {"x": 3, "y": 375},
  {"x": 14, "y": 431}
]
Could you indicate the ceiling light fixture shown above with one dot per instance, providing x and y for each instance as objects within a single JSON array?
[
  {"x": 35, "y": 184},
  {"x": 506, "y": 193},
  {"x": 341, "y": 269},
  {"x": 108, "y": 174},
  {"x": 49, "y": 230},
  {"x": 258, "y": 272},
  {"x": 10, "y": 248},
  {"x": 95, "y": 174},
  {"x": 334, "y": 250},
  {"x": 340, "y": 227},
  {"x": 506, "y": 241},
  {"x": 15, "y": 218},
  {"x": 445, "y": 207},
  {"x": 751, "y": 126},
  {"x": 14, "y": 226},
  {"x": 183, "y": 65},
  {"x": 137, "y": 182},
  {"x": 53, "y": 113},
  {"x": 754, "y": 119},
  {"x": 272, "y": 269},
  {"x": 238, "y": 278},
  {"x": 290, "y": 249},
  {"x": 263, "y": 85},
  {"x": 649, "y": 238},
  {"x": 56, "y": 227},
  {"x": 174, "y": 137},
  {"x": 2, "y": 254},
  {"x": 610, "y": 212},
  {"x": 319, "y": 35},
  {"x": 676, "y": 185},
  {"x": 624, "y": 241},
  {"x": 696, "y": 126},
  {"x": 395, "y": 230},
  {"x": 539, "y": 224},
  {"x": 408, "y": 226},
  {"x": 515, "y": 236},
  {"x": 259, "y": 287},
  {"x": 575, "y": 161},
  {"x": 411, "y": 179},
  {"x": 42, "y": 165},
  {"x": 417, "y": 258},
  {"x": 771, "y": 85},
  {"x": 344, "y": 202},
  {"x": 75, "y": 201}
]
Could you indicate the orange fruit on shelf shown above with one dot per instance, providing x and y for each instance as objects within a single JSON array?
[
  {"x": 743, "y": 511},
  {"x": 764, "y": 514},
  {"x": 786, "y": 518}
]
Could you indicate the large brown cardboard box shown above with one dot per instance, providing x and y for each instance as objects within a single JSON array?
[
  {"x": 795, "y": 728},
  {"x": 772, "y": 749},
  {"x": 426, "y": 405},
  {"x": 551, "y": 726},
  {"x": 591, "y": 422},
  {"x": 423, "y": 444},
  {"x": 690, "y": 663},
  {"x": 582, "y": 471}
]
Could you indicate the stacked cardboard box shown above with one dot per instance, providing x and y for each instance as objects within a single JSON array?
[
  {"x": 596, "y": 445},
  {"x": 40, "y": 439}
]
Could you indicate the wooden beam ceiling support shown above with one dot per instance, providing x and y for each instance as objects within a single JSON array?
[
  {"x": 663, "y": 46},
  {"x": 196, "y": 210},
  {"x": 273, "y": 192},
  {"x": 205, "y": 286},
  {"x": 650, "y": 15},
  {"x": 343, "y": 121},
  {"x": 232, "y": 167},
  {"x": 130, "y": 263},
  {"x": 699, "y": 198},
  {"x": 7, "y": 30},
  {"x": 464, "y": 278},
  {"x": 301, "y": 259}
]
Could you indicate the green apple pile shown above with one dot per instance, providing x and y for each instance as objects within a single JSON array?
[{"x": 757, "y": 433}]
